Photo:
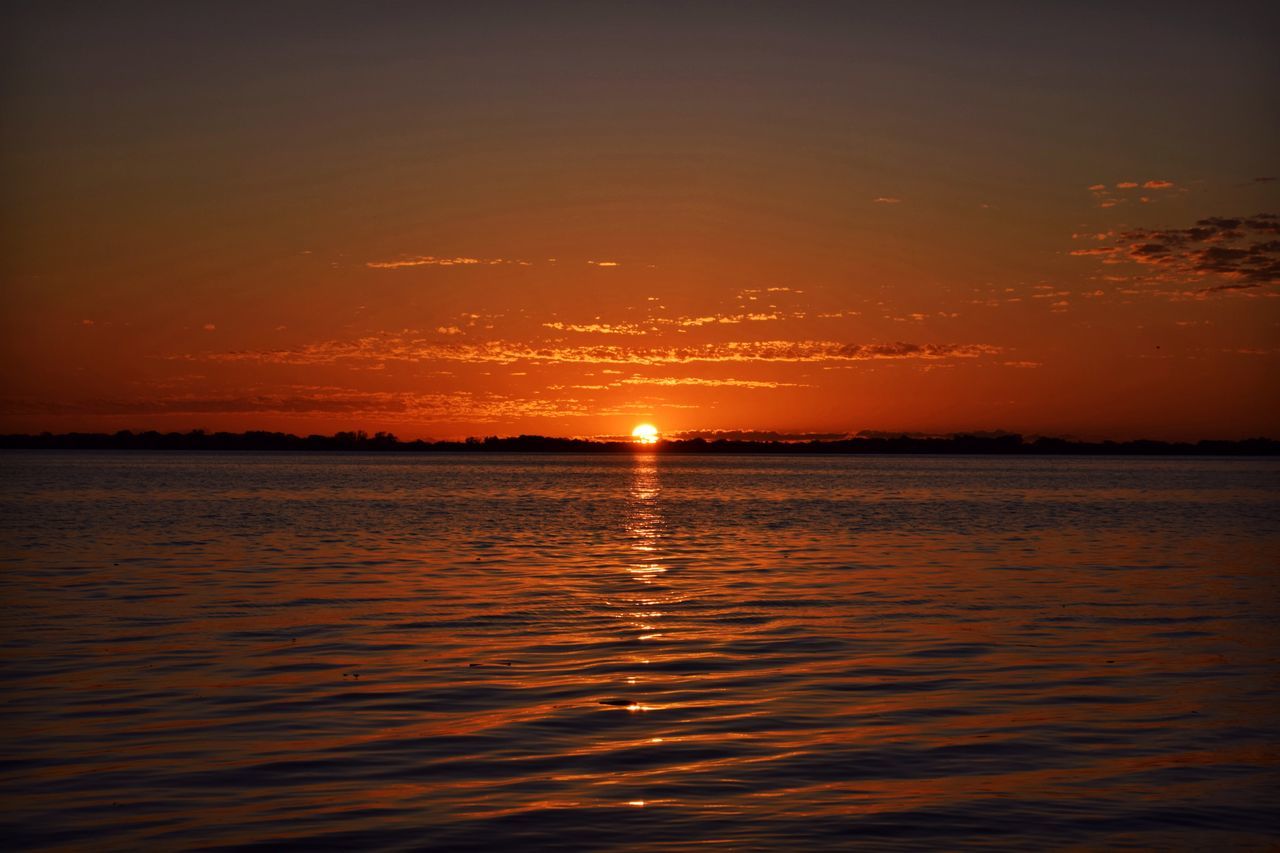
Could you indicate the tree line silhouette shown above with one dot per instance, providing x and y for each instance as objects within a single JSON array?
[{"x": 359, "y": 440}]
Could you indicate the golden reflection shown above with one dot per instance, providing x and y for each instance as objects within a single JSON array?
[
  {"x": 644, "y": 529},
  {"x": 644, "y": 521}
]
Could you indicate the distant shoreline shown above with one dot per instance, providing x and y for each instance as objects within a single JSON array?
[{"x": 1001, "y": 445}]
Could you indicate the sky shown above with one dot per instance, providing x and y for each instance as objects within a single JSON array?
[{"x": 783, "y": 219}]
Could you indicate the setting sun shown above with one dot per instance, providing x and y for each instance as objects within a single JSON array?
[{"x": 645, "y": 434}]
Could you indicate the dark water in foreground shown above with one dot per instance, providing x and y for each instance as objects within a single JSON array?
[{"x": 638, "y": 652}]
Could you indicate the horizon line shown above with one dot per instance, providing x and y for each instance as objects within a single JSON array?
[{"x": 359, "y": 440}]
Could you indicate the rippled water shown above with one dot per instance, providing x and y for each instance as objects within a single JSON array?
[{"x": 635, "y": 652}]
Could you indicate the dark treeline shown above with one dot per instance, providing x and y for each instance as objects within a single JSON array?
[{"x": 382, "y": 441}]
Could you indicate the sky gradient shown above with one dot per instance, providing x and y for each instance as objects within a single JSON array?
[{"x": 568, "y": 218}]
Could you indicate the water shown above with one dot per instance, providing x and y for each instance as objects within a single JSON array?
[{"x": 638, "y": 652}]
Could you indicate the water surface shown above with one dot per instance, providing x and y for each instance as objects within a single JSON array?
[{"x": 634, "y": 652}]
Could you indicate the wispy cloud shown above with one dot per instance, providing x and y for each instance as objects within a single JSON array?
[
  {"x": 410, "y": 407},
  {"x": 679, "y": 381},
  {"x": 721, "y": 319},
  {"x": 598, "y": 328},
  {"x": 754, "y": 293},
  {"x": 654, "y": 324},
  {"x": 1123, "y": 191},
  {"x": 389, "y": 347},
  {"x": 430, "y": 260},
  {"x": 671, "y": 381}
]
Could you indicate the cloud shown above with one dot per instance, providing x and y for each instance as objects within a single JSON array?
[
  {"x": 721, "y": 319},
  {"x": 668, "y": 381},
  {"x": 886, "y": 200},
  {"x": 678, "y": 381},
  {"x": 757, "y": 435},
  {"x": 753, "y": 292},
  {"x": 598, "y": 328},
  {"x": 782, "y": 290},
  {"x": 382, "y": 348},
  {"x": 1105, "y": 198},
  {"x": 1221, "y": 254},
  {"x": 430, "y": 260},
  {"x": 323, "y": 402},
  {"x": 654, "y": 323}
]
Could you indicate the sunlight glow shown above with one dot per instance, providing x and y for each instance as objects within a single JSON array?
[{"x": 645, "y": 434}]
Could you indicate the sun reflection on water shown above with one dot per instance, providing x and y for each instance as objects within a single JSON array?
[
  {"x": 644, "y": 529},
  {"x": 644, "y": 519}
]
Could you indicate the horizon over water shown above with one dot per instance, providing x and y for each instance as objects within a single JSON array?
[{"x": 626, "y": 652}]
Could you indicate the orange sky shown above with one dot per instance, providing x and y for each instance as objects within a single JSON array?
[{"x": 568, "y": 218}]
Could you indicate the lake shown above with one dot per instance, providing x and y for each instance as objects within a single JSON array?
[{"x": 627, "y": 652}]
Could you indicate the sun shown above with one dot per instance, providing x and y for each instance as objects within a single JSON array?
[{"x": 645, "y": 434}]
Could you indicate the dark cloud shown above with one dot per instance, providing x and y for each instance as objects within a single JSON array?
[
  {"x": 1223, "y": 253},
  {"x": 757, "y": 435},
  {"x": 991, "y": 433}
]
